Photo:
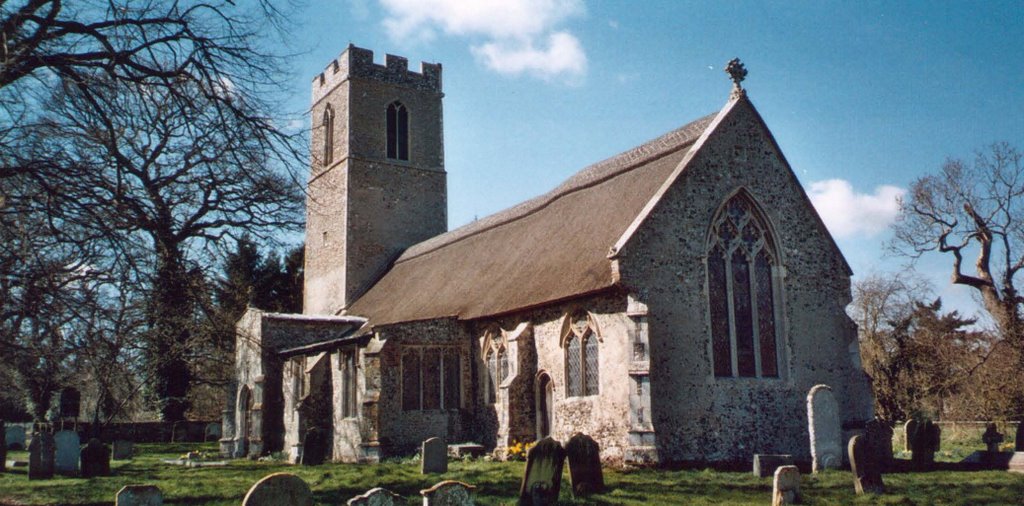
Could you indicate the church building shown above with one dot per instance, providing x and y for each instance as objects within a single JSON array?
[{"x": 675, "y": 302}]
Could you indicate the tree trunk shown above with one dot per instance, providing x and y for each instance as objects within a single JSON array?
[{"x": 170, "y": 324}]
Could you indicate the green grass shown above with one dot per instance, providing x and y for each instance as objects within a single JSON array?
[{"x": 497, "y": 483}]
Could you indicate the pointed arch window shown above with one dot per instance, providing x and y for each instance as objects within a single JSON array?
[
  {"x": 742, "y": 261},
  {"x": 582, "y": 371},
  {"x": 328, "y": 126},
  {"x": 496, "y": 357},
  {"x": 397, "y": 131}
]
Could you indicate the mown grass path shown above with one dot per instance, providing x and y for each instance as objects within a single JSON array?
[{"x": 497, "y": 483}]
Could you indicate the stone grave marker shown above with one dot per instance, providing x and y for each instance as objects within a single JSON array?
[
  {"x": 377, "y": 497},
  {"x": 314, "y": 447},
  {"x": 139, "y": 495},
  {"x": 68, "y": 452},
  {"x": 867, "y": 475},
  {"x": 448, "y": 493},
  {"x": 95, "y": 459},
  {"x": 434, "y": 456},
  {"x": 1016, "y": 463},
  {"x": 879, "y": 437},
  {"x": 908, "y": 428},
  {"x": 1018, "y": 442},
  {"x": 825, "y": 428},
  {"x": 584, "y": 456},
  {"x": 765, "y": 465},
  {"x": 279, "y": 489},
  {"x": 924, "y": 442},
  {"x": 992, "y": 438},
  {"x": 15, "y": 435},
  {"x": 212, "y": 432},
  {"x": 542, "y": 479},
  {"x": 123, "y": 449},
  {"x": 40, "y": 456},
  {"x": 3, "y": 448},
  {"x": 786, "y": 486}
]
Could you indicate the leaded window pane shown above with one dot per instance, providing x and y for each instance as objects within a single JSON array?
[
  {"x": 766, "y": 315},
  {"x": 502, "y": 366},
  {"x": 492, "y": 376},
  {"x": 411, "y": 379},
  {"x": 591, "y": 365},
  {"x": 717, "y": 298},
  {"x": 743, "y": 315},
  {"x": 431, "y": 378},
  {"x": 452, "y": 379},
  {"x": 573, "y": 366}
]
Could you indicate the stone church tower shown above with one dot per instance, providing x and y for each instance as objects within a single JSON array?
[{"x": 377, "y": 180}]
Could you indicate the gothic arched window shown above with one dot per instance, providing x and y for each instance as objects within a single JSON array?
[
  {"x": 328, "y": 126},
  {"x": 398, "y": 131},
  {"x": 741, "y": 291},
  {"x": 582, "y": 374}
]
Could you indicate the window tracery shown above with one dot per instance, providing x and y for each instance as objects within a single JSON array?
[
  {"x": 397, "y": 131},
  {"x": 582, "y": 365}
]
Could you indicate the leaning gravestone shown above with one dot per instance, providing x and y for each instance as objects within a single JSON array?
[
  {"x": 879, "y": 437},
  {"x": 211, "y": 432},
  {"x": 786, "y": 486},
  {"x": 765, "y": 465},
  {"x": 924, "y": 442},
  {"x": 314, "y": 447},
  {"x": 123, "y": 449},
  {"x": 448, "y": 493},
  {"x": 542, "y": 479},
  {"x": 40, "y": 456},
  {"x": 68, "y": 452},
  {"x": 867, "y": 475},
  {"x": 584, "y": 456},
  {"x": 992, "y": 438},
  {"x": 139, "y": 495},
  {"x": 825, "y": 428},
  {"x": 15, "y": 435},
  {"x": 434, "y": 456},
  {"x": 95, "y": 459},
  {"x": 279, "y": 489},
  {"x": 909, "y": 428},
  {"x": 377, "y": 497}
]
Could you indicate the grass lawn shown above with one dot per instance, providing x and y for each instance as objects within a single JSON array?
[{"x": 497, "y": 483}]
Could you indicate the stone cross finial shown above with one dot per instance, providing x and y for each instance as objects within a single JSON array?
[{"x": 737, "y": 72}]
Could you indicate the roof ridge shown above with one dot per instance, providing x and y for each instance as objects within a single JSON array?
[{"x": 588, "y": 176}]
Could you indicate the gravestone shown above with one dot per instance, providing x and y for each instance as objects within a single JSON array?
[
  {"x": 786, "y": 486},
  {"x": 867, "y": 475},
  {"x": 279, "y": 489},
  {"x": 139, "y": 495},
  {"x": 1018, "y": 442},
  {"x": 542, "y": 479},
  {"x": 448, "y": 493},
  {"x": 40, "y": 456},
  {"x": 924, "y": 442},
  {"x": 212, "y": 432},
  {"x": 68, "y": 452},
  {"x": 377, "y": 497},
  {"x": 879, "y": 437},
  {"x": 765, "y": 465},
  {"x": 434, "y": 456},
  {"x": 992, "y": 438},
  {"x": 3, "y": 448},
  {"x": 314, "y": 447},
  {"x": 15, "y": 435},
  {"x": 95, "y": 459},
  {"x": 123, "y": 450},
  {"x": 908, "y": 428},
  {"x": 825, "y": 428},
  {"x": 584, "y": 456}
]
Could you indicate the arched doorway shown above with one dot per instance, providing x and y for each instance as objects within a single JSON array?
[
  {"x": 244, "y": 421},
  {"x": 545, "y": 403}
]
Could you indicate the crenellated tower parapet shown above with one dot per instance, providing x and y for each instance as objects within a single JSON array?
[{"x": 357, "y": 63}]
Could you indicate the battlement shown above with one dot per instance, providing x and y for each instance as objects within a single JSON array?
[{"x": 356, "y": 62}]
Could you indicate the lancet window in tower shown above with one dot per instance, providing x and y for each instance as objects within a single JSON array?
[
  {"x": 741, "y": 292},
  {"x": 328, "y": 126},
  {"x": 398, "y": 131}
]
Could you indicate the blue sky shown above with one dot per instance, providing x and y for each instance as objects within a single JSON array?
[{"x": 863, "y": 97}]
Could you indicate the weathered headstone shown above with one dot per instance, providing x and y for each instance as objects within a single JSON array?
[
  {"x": 434, "y": 456},
  {"x": 825, "y": 428},
  {"x": 15, "y": 435},
  {"x": 786, "y": 486},
  {"x": 139, "y": 495},
  {"x": 924, "y": 442},
  {"x": 314, "y": 447},
  {"x": 95, "y": 459},
  {"x": 40, "y": 456},
  {"x": 448, "y": 493},
  {"x": 279, "y": 489},
  {"x": 765, "y": 465},
  {"x": 211, "y": 432},
  {"x": 123, "y": 449},
  {"x": 542, "y": 479},
  {"x": 68, "y": 452},
  {"x": 864, "y": 462},
  {"x": 909, "y": 428},
  {"x": 1018, "y": 442},
  {"x": 584, "y": 456},
  {"x": 992, "y": 438},
  {"x": 879, "y": 437},
  {"x": 377, "y": 497}
]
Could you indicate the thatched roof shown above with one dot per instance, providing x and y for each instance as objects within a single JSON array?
[{"x": 550, "y": 248}]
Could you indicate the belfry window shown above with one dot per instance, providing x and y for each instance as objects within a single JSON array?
[
  {"x": 397, "y": 131},
  {"x": 328, "y": 126},
  {"x": 741, "y": 263},
  {"x": 582, "y": 375}
]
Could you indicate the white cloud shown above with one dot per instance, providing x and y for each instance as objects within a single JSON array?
[
  {"x": 510, "y": 36},
  {"x": 847, "y": 213}
]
